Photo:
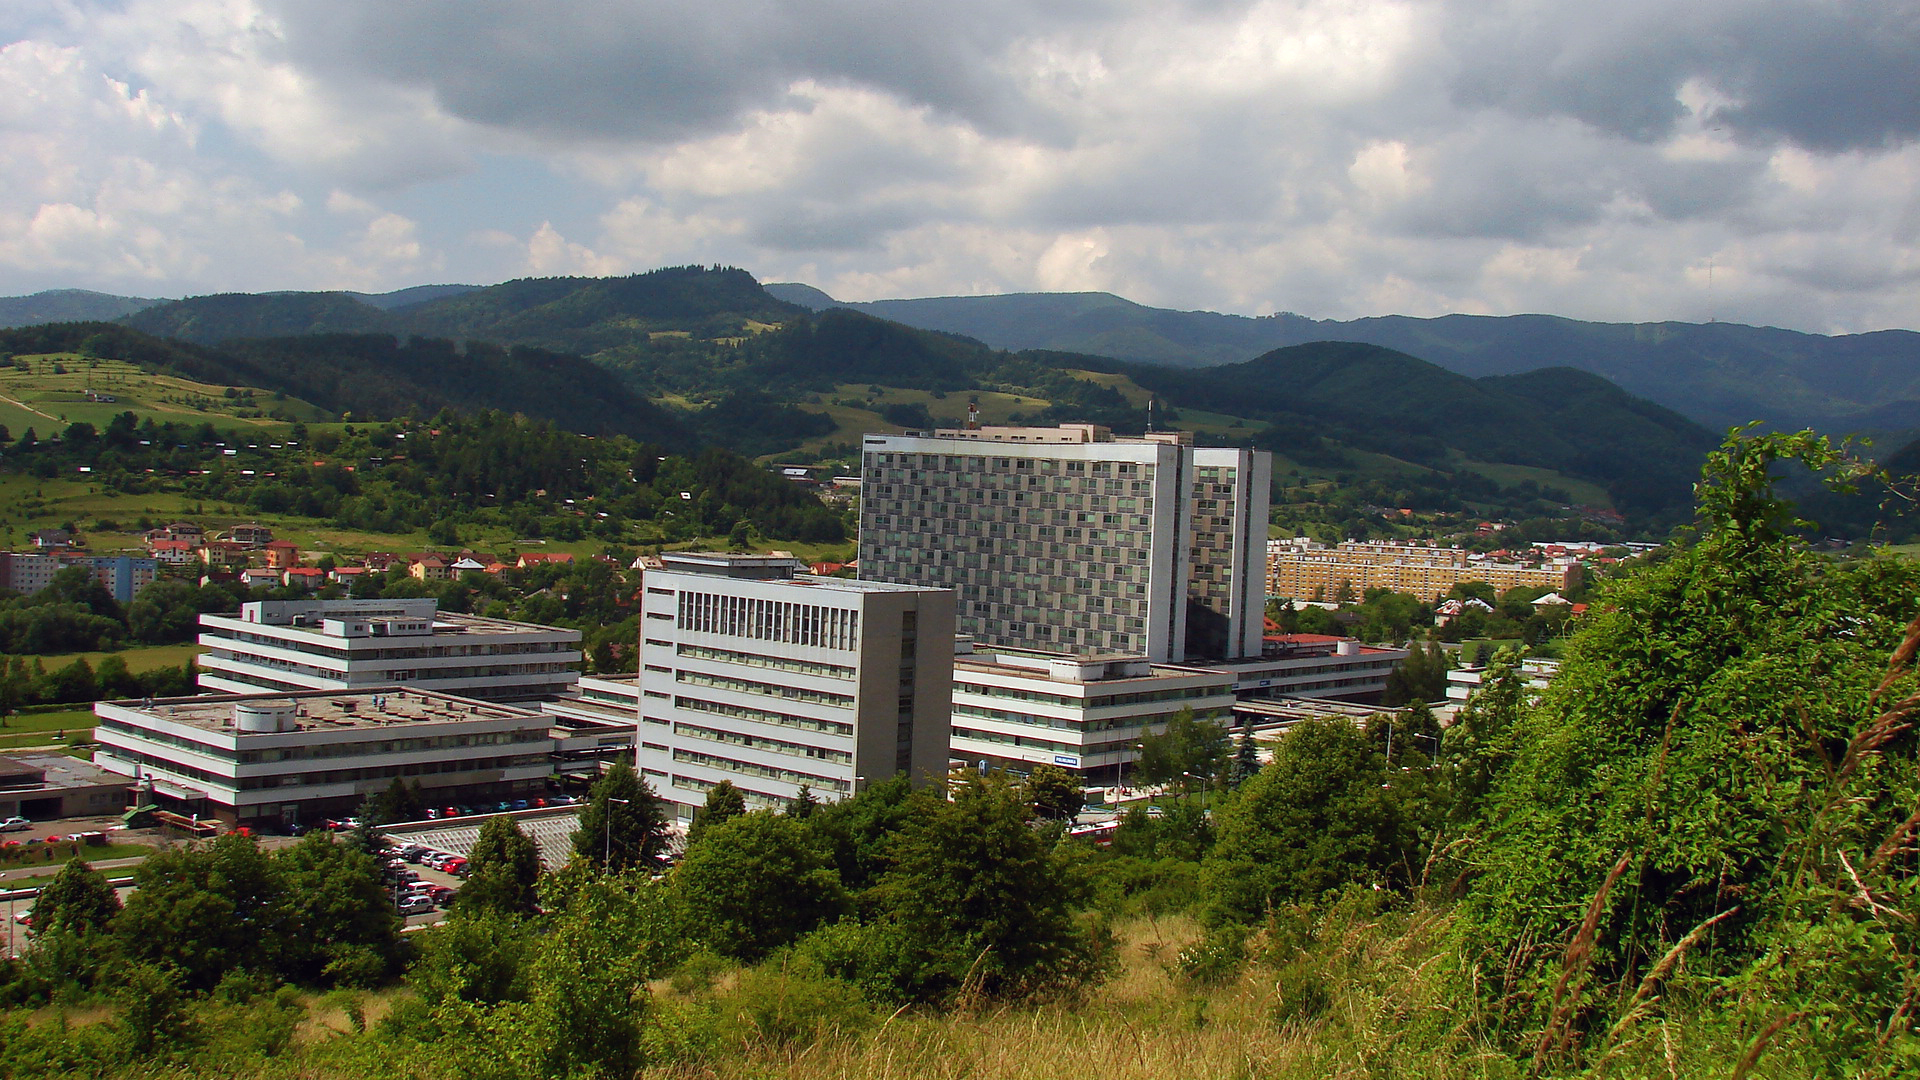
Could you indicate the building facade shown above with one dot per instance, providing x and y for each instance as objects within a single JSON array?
[
  {"x": 1015, "y": 708},
  {"x": 755, "y": 672},
  {"x": 297, "y": 645},
  {"x": 1070, "y": 540},
  {"x": 272, "y": 760},
  {"x": 122, "y": 575},
  {"x": 1300, "y": 569}
]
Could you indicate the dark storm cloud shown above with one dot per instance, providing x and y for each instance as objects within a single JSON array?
[
  {"x": 1827, "y": 75},
  {"x": 665, "y": 69}
]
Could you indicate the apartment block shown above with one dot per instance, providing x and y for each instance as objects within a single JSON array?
[
  {"x": 1072, "y": 540},
  {"x": 1299, "y": 569},
  {"x": 755, "y": 672},
  {"x": 271, "y": 760},
  {"x": 1015, "y": 708},
  {"x": 297, "y": 645},
  {"x": 122, "y": 575}
]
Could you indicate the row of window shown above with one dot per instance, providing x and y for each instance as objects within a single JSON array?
[
  {"x": 769, "y": 620},
  {"x": 748, "y": 768},
  {"x": 764, "y": 716},
  {"x": 757, "y": 742},
  {"x": 775, "y": 663},
  {"x": 748, "y": 686}
]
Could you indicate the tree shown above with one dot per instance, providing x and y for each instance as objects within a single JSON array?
[
  {"x": 756, "y": 882},
  {"x": 623, "y": 824},
  {"x": 1190, "y": 753},
  {"x": 974, "y": 899},
  {"x": 345, "y": 929},
  {"x": 77, "y": 901},
  {"x": 208, "y": 910},
  {"x": 1246, "y": 755},
  {"x": 1055, "y": 793},
  {"x": 1318, "y": 816},
  {"x": 724, "y": 802},
  {"x": 501, "y": 872},
  {"x": 1422, "y": 676},
  {"x": 803, "y": 803}
]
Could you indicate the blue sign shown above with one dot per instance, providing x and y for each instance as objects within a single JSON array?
[{"x": 1069, "y": 762}]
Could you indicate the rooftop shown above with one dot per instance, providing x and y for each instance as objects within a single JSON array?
[{"x": 323, "y": 710}]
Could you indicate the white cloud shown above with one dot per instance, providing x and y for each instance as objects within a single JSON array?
[{"x": 1322, "y": 156}]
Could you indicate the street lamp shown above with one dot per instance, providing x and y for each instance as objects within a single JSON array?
[{"x": 606, "y": 845}]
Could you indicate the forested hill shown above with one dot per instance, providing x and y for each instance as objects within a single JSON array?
[
  {"x": 1378, "y": 399},
  {"x": 67, "y": 305},
  {"x": 576, "y": 315},
  {"x": 1718, "y": 374},
  {"x": 375, "y": 376}
]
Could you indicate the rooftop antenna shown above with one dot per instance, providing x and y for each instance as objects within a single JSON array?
[
  {"x": 973, "y": 415},
  {"x": 1149, "y": 414}
]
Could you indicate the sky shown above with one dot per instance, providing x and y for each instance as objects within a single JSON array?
[{"x": 1743, "y": 160}]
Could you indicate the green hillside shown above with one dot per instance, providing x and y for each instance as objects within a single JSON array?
[
  {"x": 1717, "y": 374},
  {"x": 374, "y": 376}
]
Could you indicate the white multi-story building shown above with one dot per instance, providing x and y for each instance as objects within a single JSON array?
[
  {"x": 1314, "y": 666},
  {"x": 1071, "y": 540},
  {"x": 271, "y": 760},
  {"x": 755, "y": 672},
  {"x": 1016, "y": 708},
  {"x": 294, "y": 645}
]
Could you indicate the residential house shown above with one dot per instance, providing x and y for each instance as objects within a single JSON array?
[
  {"x": 172, "y": 552},
  {"x": 428, "y": 568},
  {"x": 252, "y": 535},
  {"x": 303, "y": 577},
  {"x": 282, "y": 554}
]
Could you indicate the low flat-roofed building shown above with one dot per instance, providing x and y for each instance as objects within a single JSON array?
[
  {"x": 1314, "y": 666},
  {"x": 599, "y": 723},
  {"x": 42, "y": 787},
  {"x": 295, "y": 645},
  {"x": 1017, "y": 708},
  {"x": 271, "y": 760}
]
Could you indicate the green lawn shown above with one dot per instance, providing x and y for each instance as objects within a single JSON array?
[
  {"x": 140, "y": 658},
  {"x": 61, "y": 720}
]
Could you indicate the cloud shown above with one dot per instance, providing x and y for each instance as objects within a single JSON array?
[{"x": 1322, "y": 156}]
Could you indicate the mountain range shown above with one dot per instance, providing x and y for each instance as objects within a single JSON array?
[{"x": 1717, "y": 374}]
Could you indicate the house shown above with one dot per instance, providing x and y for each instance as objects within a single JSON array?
[
  {"x": 347, "y": 575},
  {"x": 259, "y": 575},
  {"x": 379, "y": 562},
  {"x": 252, "y": 535},
  {"x": 429, "y": 568},
  {"x": 544, "y": 558},
  {"x": 172, "y": 552},
  {"x": 185, "y": 531},
  {"x": 466, "y": 564},
  {"x": 828, "y": 569},
  {"x": 282, "y": 554},
  {"x": 225, "y": 553},
  {"x": 303, "y": 577},
  {"x": 52, "y": 539}
]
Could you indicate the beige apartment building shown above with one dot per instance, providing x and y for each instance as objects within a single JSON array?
[{"x": 1301, "y": 570}]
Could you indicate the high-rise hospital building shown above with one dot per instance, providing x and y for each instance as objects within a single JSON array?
[{"x": 1071, "y": 540}]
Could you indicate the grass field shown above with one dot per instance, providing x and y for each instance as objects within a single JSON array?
[
  {"x": 138, "y": 659},
  {"x": 46, "y": 399}
]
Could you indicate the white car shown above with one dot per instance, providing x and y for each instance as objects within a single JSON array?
[{"x": 15, "y": 824}]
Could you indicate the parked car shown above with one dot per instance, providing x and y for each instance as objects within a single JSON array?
[
  {"x": 449, "y": 811},
  {"x": 456, "y": 866},
  {"x": 433, "y": 813},
  {"x": 520, "y": 804},
  {"x": 15, "y": 824},
  {"x": 25, "y": 918},
  {"x": 413, "y": 905},
  {"x": 440, "y": 894}
]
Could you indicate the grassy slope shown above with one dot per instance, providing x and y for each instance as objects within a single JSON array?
[{"x": 40, "y": 399}]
